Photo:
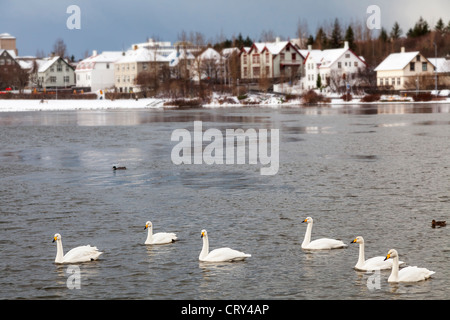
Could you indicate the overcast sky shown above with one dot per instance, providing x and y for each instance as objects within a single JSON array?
[{"x": 115, "y": 25}]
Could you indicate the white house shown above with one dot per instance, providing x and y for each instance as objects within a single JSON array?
[
  {"x": 403, "y": 70},
  {"x": 97, "y": 71},
  {"x": 336, "y": 68},
  {"x": 55, "y": 72},
  {"x": 271, "y": 60}
]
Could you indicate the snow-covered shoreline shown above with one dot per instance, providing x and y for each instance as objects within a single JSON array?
[{"x": 217, "y": 101}]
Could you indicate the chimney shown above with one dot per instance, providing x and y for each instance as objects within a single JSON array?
[
  {"x": 94, "y": 52},
  {"x": 309, "y": 47},
  {"x": 345, "y": 44},
  {"x": 277, "y": 39},
  {"x": 402, "y": 50}
]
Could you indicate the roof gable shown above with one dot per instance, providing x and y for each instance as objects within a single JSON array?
[{"x": 397, "y": 61}]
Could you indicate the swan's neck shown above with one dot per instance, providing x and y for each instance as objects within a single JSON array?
[
  {"x": 361, "y": 258},
  {"x": 394, "y": 273},
  {"x": 307, "y": 239},
  {"x": 59, "y": 252},
  {"x": 205, "y": 248},
  {"x": 149, "y": 234}
]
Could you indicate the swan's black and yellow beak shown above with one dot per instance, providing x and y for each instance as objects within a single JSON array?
[
  {"x": 146, "y": 226},
  {"x": 387, "y": 257},
  {"x": 354, "y": 240},
  {"x": 54, "y": 239},
  {"x": 203, "y": 234},
  {"x": 304, "y": 220}
]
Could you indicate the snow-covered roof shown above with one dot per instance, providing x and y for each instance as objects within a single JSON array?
[
  {"x": 105, "y": 56},
  {"x": 6, "y": 36},
  {"x": 227, "y": 52},
  {"x": 140, "y": 55},
  {"x": 176, "y": 55},
  {"x": 273, "y": 47},
  {"x": 45, "y": 63},
  {"x": 12, "y": 53},
  {"x": 396, "y": 61},
  {"x": 210, "y": 54},
  {"x": 441, "y": 64}
]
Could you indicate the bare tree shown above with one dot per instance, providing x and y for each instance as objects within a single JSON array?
[{"x": 60, "y": 48}]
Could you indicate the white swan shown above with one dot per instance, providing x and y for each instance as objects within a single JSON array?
[
  {"x": 319, "y": 244},
  {"x": 219, "y": 255},
  {"x": 407, "y": 274},
  {"x": 375, "y": 263},
  {"x": 76, "y": 255},
  {"x": 160, "y": 237}
]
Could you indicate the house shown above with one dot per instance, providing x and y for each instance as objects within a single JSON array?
[
  {"x": 55, "y": 72},
  {"x": 97, "y": 71},
  {"x": 133, "y": 62},
  {"x": 10, "y": 70},
  {"x": 404, "y": 70},
  {"x": 279, "y": 59},
  {"x": 336, "y": 68},
  {"x": 180, "y": 62},
  {"x": 207, "y": 65},
  {"x": 442, "y": 68}
]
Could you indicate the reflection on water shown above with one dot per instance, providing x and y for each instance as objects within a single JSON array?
[{"x": 380, "y": 171}]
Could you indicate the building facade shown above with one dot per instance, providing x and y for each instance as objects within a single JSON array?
[{"x": 132, "y": 63}]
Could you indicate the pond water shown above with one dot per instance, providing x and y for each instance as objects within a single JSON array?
[{"x": 378, "y": 171}]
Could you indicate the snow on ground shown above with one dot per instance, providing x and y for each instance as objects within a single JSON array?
[{"x": 217, "y": 100}]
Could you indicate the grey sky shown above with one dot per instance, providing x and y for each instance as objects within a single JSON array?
[{"x": 115, "y": 25}]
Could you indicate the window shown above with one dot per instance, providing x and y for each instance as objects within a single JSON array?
[
  {"x": 67, "y": 68},
  {"x": 53, "y": 79},
  {"x": 59, "y": 67},
  {"x": 66, "y": 78},
  {"x": 107, "y": 66},
  {"x": 267, "y": 71},
  {"x": 345, "y": 63},
  {"x": 412, "y": 66},
  {"x": 245, "y": 72},
  {"x": 294, "y": 57},
  {"x": 347, "y": 55},
  {"x": 282, "y": 56},
  {"x": 393, "y": 81},
  {"x": 118, "y": 79},
  {"x": 245, "y": 59},
  {"x": 144, "y": 66},
  {"x": 2, "y": 62},
  {"x": 255, "y": 58},
  {"x": 256, "y": 72},
  {"x": 267, "y": 57},
  {"x": 424, "y": 66},
  {"x": 398, "y": 81},
  {"x": 356, "y": 63},
  {"x": 381, "y": 81},
  {"x": 52, "y": 69},
  {"x": 339, "y": 65},
  {"x": 418, "y": 57}
]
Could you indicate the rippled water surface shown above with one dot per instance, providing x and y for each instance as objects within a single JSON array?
[{"x": 381, "y": 172}]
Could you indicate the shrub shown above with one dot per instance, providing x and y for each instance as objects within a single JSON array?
[
  {"x": 346, "y": 97},
  {"x": 371, "y": 97},
  {"x": 424, "y": 96},
  {"x": 311, "y": 97}
]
